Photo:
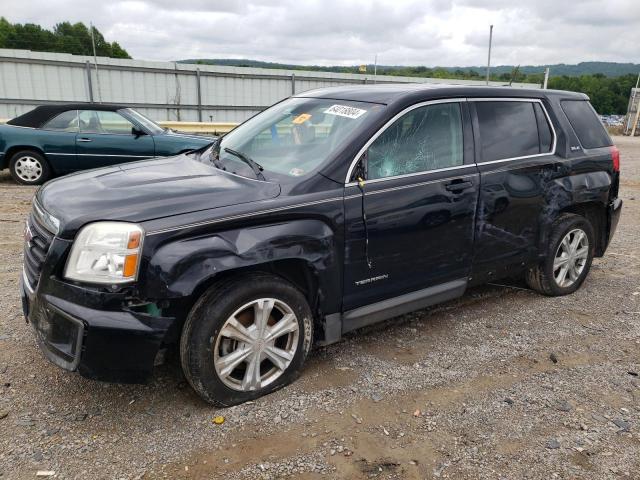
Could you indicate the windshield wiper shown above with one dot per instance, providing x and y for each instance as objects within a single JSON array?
[{"x": 255, "y": 166}]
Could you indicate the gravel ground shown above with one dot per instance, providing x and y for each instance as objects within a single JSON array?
[{"x": 502, "y": 383}]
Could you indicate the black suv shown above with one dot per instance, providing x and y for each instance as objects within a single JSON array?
[{"x": 329, "y": 211}]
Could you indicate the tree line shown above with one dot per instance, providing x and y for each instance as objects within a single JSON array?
[
  {"x": 64, "y": 38},
  {"x": 609, "y": 95}
]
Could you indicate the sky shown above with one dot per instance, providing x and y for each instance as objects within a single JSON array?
[{"x": 352, "y": 32}]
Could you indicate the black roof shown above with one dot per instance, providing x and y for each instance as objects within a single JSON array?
[
  {"x": 392, "y": 92},
  {"x": 40, "y": 115}
]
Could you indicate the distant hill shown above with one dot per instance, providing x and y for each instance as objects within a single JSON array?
[{"x": 608, "y": 69}]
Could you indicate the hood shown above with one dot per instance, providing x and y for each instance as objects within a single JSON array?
[{"x": 145, "y": 190}]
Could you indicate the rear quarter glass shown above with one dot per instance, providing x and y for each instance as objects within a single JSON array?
[{"x": 586, "y": 124}]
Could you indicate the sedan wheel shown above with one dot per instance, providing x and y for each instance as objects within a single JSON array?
[
  {"x": 256, "y": 344},
  {"x": 571, "y": 258},
  {"x": 28, "y": 169}
]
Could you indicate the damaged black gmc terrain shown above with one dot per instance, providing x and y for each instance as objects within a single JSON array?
[{"x": 329, "y": 211}]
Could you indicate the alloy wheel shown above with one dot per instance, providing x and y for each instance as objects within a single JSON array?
[
  {"x": 256, "y": 344},
  {"x": 571, "y": 258},
  {"x": 28, "y": 169}
]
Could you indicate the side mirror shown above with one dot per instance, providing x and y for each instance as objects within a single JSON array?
[{"x": 137, "y": 132}]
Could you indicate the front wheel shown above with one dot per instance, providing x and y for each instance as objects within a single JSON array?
[
  {"x": 568, "y": 257},
  {"x": 245, "y": 338}
]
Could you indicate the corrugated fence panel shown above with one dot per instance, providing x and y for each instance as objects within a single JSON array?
[{"x": 162, "y": 90}]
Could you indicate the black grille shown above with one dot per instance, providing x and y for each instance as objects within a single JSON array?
[{"x": 35, "y": 250}]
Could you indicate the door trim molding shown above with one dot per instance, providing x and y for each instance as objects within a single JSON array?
[
  {"x": 412, "y": 185},
  {"x": 409, "y": 302},
  {"x": 101, "y": 155}
]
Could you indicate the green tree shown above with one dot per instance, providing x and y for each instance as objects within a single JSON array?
[{"x": 65, "y": 38}]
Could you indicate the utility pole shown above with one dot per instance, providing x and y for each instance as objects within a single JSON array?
[
  {"x": 546, "y": 78},
  {"x": 95, "y": 61},
  {"x": 375, "y": 68},
  {"x": 489, "y": 57}
]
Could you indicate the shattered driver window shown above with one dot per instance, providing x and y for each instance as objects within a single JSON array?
[{"x": 426, "y": 138}]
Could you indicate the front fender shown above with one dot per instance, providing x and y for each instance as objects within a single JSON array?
[{"x": 176, "y": 268}]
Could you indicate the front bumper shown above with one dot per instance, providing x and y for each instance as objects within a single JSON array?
[{"x": 81, "y": 329}]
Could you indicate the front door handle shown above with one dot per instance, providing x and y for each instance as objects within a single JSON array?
[
  {"x": 458, "y": 186},
  {"x": 85, "y": 140}
]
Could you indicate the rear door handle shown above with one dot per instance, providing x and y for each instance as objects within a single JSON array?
[
  {"x": 85, "y": 140},
  {"x": 458, "y": 186}
]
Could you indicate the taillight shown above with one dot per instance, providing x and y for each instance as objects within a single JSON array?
[{"x": 615, "y": 156}]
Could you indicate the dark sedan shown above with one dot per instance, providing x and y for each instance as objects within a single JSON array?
[{"x": 53, "y": 140}]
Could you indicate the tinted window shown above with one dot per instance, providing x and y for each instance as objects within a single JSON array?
[
  {"x": 544, "y": 130},
  {"x": 507, "y": 130},
  {"x": 65, "y": 122},
  {"x": 92, "y": 121},
  {"x": 586, "y": 124},
  {"x": 426, "y": 138}
]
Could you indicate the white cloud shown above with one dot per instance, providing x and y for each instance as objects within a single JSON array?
[{"x": 331, "y": 32}]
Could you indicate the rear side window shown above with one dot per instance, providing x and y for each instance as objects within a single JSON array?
[
  {"x": 509, "y": 129},
  {"x": 64, "y": 122},
  {"x": 544, "y": 130},
  {"x": 586, "y": 124}
]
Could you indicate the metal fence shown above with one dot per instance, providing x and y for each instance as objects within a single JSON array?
[{"x": 163, "y": 90}]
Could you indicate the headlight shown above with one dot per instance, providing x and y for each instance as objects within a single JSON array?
[{"x": 105, "y": 252}]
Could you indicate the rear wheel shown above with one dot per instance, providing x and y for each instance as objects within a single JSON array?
[
  {"x": 568, "y": 257},
  {"x": 29, "y": 167},
  {"x": 246, "y": 338}
]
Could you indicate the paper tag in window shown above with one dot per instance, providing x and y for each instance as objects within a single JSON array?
[
  {"x": 303, "y": 117},
  {"x": 345, "y": 111}
]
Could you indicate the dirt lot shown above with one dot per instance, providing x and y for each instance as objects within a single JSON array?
[{"x": 502, "y": 383}]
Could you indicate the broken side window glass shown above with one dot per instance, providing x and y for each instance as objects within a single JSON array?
[{"x": 426, "y": 138}]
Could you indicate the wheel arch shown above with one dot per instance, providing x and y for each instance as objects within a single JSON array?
[
  {"x": 596, "y": 213},
  {"x": 585, "y": 194},
  {"x": 13, "y": 149},
  {"x": 303, "y": 252},
  {"x": 297, "y": 271}
]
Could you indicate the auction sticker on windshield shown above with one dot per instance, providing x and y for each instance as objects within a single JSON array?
[{"x": 345, "y": 111}]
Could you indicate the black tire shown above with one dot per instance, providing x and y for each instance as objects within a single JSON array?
[
  {"x": 41, "y": 170},
  {"x": 207, "y": 317},
  {"x": 541, "y": 277}
]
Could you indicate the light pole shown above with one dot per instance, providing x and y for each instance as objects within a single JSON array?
[{"x": 489, "y": 56}]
